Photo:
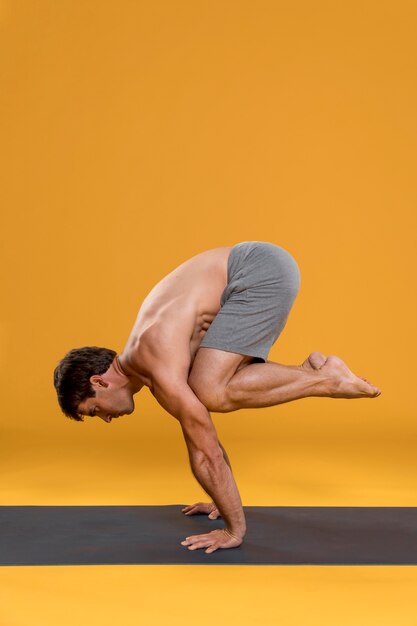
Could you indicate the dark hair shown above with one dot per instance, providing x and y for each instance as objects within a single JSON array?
[{"x": 72, "y": 376}]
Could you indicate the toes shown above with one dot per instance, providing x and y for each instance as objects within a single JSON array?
[
  {"x": 317, "y": 360},
  {"x": 375, "y": 390}
]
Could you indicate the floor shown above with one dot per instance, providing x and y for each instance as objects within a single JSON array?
[{"x": 295, "y": 466}]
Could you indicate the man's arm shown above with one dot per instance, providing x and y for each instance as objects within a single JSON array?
[
  {"x": 226, "y": 458},
  {"x": 208, "y": 464}
]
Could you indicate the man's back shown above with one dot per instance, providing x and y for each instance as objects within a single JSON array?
[{"x": 176, "y": 314}]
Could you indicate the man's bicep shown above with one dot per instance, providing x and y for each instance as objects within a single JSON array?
[
  {"x": 175, "y": 395},
  {"x": 180, "y": 401}
]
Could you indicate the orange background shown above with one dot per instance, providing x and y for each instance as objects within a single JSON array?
[{"x": 137, "y": 134}]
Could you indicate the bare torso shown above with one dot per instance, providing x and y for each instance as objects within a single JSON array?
[{"x": 176, "y": 314}]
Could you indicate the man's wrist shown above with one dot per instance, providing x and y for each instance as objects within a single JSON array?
[
  {"x": 238, "y": 529},
  {"x": 235, "y": 533}
]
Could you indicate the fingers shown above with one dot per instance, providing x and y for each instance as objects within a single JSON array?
[
  {"x": 191, "y": 509},
  {"x": 200, "y": 541},
  {"x": 197, "y": 541},
  {"x": 221, "y": 538},
  {"x": 202, "y": 507},
  {"x": 188, "y": 509}
]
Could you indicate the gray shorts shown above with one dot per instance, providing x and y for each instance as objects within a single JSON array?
[{"x": 262, "y": 283}]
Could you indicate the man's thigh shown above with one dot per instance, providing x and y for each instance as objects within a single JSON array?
[{"x": 211, "y": 371}]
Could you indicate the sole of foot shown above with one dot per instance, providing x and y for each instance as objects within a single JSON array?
[{"x": 344, "y": 383}]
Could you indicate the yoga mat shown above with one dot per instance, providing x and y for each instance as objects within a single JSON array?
[{"x": 276, "y": 535}]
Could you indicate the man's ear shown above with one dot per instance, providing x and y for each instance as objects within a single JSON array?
[{"x": 96, "y": 379}]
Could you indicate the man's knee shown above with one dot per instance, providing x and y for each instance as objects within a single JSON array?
[
  {"x": 210, "y": 374},
  {"x": 215, "y": 398}
]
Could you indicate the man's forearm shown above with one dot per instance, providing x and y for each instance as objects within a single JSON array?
[
  {"x": 216, "y": 478},
  {"x": 226, "y": 458}
]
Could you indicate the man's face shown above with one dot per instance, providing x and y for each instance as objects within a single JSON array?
[{"x": 109, "y": 402}]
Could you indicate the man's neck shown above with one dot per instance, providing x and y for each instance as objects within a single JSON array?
[
  {"x": 118, "y": 367},
  {"x": 135, "y": 379}
]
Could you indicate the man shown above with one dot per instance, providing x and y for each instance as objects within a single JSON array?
[{"x": 200, "y": 343}]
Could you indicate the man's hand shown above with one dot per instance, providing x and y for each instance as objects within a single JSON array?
[
  {"x": 202, "y": 507},
  {"x": 220, "y": 538}
]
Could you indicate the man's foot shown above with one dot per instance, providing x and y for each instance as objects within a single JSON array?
[{"x": 343, "y": 383}]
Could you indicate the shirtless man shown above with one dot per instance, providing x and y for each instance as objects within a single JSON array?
[{"x": 200, "y": 343}]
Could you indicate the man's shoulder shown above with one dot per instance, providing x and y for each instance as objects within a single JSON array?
[
  {"x": 161, "y": 348},
  {"x": 163, "y": 367}
]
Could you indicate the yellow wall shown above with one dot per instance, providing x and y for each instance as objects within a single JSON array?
[{"x": 135, "y": 135}]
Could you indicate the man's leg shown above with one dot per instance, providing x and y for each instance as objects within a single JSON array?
[{"x": 222, "y": 387}]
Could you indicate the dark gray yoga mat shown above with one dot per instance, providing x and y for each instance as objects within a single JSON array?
[{"x": 276, "y": 535}]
